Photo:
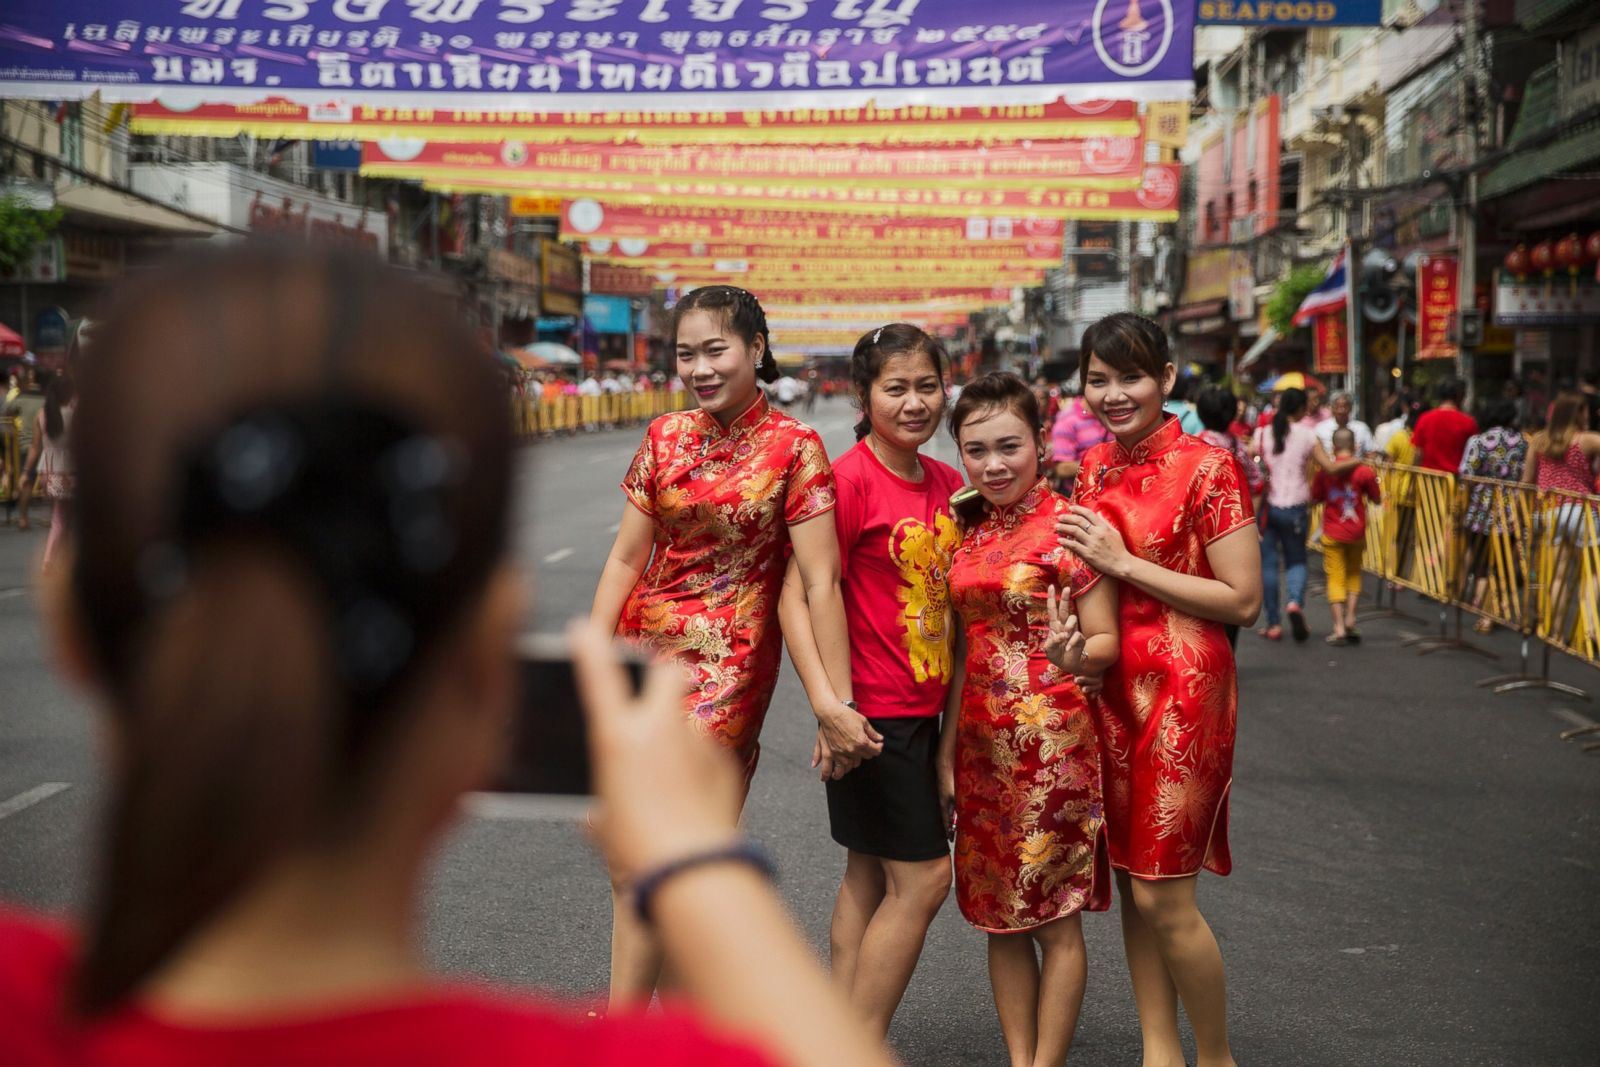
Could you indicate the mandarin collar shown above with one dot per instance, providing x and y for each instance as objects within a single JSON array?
[
  {"x": 1025, "y": 504},
  {"x": 752, "y": 415},
  {"x": 1158, "y": 441}
]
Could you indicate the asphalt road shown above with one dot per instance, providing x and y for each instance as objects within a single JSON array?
[{"x": 1416, "y": 861}]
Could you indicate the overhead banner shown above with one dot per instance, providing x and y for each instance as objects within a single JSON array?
[
  {"x": 1154, "y": 200},
  {"x": 635, "y": 226},
  {"x": 946, "y": 297},
  {"x": 1095, "y": 162},
  {"x": 1041, "y": 253},
  {"x": 595, "y": 55},
  {"x": 872, "y": 276},
  {"x": 1330, "y": 344},
  {"x": 1276, "y": 14},
  {"x": 917, "y": 124}
]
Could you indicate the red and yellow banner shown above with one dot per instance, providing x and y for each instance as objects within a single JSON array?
[
  {"x": 1044, "y": 253},
  {"x": 1154, "y": 200},
  {"x": 336, "y": 120},
  {"x": 619, "y": 280},
  {"x": 1438, "y": 300},
  {"x": 1095, "y": 162},
  {"x": 585, "y": 219},
  {"x": 1330, "y": 344},
  {"x": 943, "y": 298}
]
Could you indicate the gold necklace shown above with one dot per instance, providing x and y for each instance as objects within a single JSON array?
[{"x": 915, "y": 476}]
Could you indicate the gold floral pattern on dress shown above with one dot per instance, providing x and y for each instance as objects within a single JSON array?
[
  {"x": 721, "y": 502},
  {"x": 1029, "y": 839},
  {"x": 1166, "y": 717}
]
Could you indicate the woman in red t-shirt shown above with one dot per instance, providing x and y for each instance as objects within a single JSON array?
[
  {"x": 296, "y": 602},
  {"x": 895, "y": 541}
]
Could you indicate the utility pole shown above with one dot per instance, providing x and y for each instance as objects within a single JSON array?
[{"x": 1467, "y": 208}]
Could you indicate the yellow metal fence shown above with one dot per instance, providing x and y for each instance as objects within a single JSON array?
[
  {"x": 534, "y": 416},
  {"x": 1525, "y": 559}
]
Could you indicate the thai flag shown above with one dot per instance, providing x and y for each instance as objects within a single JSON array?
[{"x": 1331, "y": 294}]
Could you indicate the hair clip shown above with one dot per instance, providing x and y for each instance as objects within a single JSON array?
[{"x": 877, "y": 335}]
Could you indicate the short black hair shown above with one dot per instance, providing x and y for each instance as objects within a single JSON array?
[{"x": 1216, "y": 407}]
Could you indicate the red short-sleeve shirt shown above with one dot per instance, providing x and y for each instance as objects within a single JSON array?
[{"x": 455, "y": 1025}]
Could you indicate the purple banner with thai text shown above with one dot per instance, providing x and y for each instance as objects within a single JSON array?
[{"x": 590, "y": 55}]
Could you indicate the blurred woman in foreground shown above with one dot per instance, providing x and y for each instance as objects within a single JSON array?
[{"x": 296, "y": 603}]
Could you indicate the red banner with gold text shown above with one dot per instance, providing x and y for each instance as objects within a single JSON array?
[
  {"x": 1330, "y": 343},
  {"x": 1438, "y": 300}
]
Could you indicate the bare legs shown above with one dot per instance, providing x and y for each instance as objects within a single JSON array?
[
  {"x": 879, "y": 924},
  {"x": 58, "y": 532},
  {"x": 1171, "y": 955},
  {"x": 636, "y": 956},
  {"x": 1038, "y": 995}
]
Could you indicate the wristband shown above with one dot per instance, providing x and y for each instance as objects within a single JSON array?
[{"x": 648, "y": 884}]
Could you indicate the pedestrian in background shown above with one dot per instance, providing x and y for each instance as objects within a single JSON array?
[
  {"x": 24, "y": 408},
  {"x": 1216, "y": 407},
  {"x": 1344, "y": 497},
  {"x": 1561, "y": 459},
  {"x": 1441, "y": 435},
  {"x": 1020, "y": 759},
  {"x": 287, "y": 760},
  {"x": 1074, "y": 431},
  {"x": 718, "y": 498},
  {"x": 52, "y": 434},
  {"x": 1498, "y": 454},
  {"x": 1168, "y": 516},
  {"x": 1340, "y": 406},
  {"x": 896, "y": 537},
  {"x": 1290, "y": 451}
]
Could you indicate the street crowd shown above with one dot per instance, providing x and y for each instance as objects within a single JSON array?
[{"x": 296, "y": 605}]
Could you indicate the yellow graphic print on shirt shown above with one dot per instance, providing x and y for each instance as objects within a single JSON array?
[{"x": 923, "y": 556}]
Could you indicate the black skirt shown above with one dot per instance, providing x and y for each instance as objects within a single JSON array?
[{"x": 889, "y": 806}]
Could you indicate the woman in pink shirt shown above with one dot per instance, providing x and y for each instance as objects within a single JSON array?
[
  {"x": 1287, "y": 447},
  {"x": 1561, "y": 459}
]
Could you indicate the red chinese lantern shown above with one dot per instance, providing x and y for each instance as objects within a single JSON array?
[
  {"x": 1543, "y": 258},
  {"x": 1569, "y": 253},
  {"x": 1591, "y": 247},
  {"x": 1517, "y": 261}
]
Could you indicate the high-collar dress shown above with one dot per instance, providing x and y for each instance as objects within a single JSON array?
[
  {"x": 1030, "y": 844},
  {"x": 721, "y": 502},
  {"x": 1166, "y": 714}
]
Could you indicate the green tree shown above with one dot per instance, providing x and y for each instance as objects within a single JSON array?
[
  {"x": 22, "y": 229},
  {"x": 1288, "y": 294}
]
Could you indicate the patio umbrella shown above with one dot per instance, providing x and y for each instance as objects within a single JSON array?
[
  {"x": 521, "y": 357},
  {"x": 11, "y": 343},
  {"x": 552, "y": 353},
  {"x": 1296, "y": 380}
]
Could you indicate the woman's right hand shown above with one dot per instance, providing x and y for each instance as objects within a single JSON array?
[
  {"x": 849, "y": 736},
  {"x": 662, "y": 790}
]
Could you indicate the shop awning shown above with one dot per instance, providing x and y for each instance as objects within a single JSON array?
[
  {"x": 1575, "y": 145},
  {"x": 1203, "y": 310},
  {"x": 1257, "y": 350}
]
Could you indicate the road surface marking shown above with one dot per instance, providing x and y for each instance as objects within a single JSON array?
[
  {"x": 7, "y": 594},
  {"x": 614, "y": 527},
  {"x": 558, "y": 555},
  {"x": 31, "y": 797}
]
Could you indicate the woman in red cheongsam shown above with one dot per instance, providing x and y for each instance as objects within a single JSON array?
[
  {"x": 1019, "y": 755},
  {"x": 1169, "y": 517},
  {"x": 717, "y": 496}
]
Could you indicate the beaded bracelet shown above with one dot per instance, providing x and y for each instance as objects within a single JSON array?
[{"x": 648, "y": 884}]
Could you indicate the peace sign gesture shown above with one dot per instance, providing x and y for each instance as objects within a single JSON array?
[{"x": 1064, "y": 642}]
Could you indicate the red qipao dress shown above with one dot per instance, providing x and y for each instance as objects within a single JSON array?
[
  {"x": 1030, "y": 839},
  {"x": 721, "y": 502},
  {"x": 1166, "y": 714}
]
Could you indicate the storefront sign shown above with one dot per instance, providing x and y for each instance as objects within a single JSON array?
[
  {"x": 92, "y": 256},
  {"x": 624, "y": 281},
  {"x": 1272, "y": 14},
  {"x": 915, "y": 124},
  {"x": 1537, "y": 302},
  {"x": 1241, "y": 286},
  {"x": 509, "y": 267},
  {"x": 1330, "y": 344},
  {"x": 594, "y": 55},
  {"x": 535, "y": 207},
  {"x": 1166, "y": 122},
  {"x": 1437, "y": 303},
  {"x": 1580, "y": 72},
  {"x": 608, "y": 314},
  {"x": 1095, "y": 257},
  {"x": 336, "y": 155},
  {"x": 1207, "y": 276},
  {"x": 561, "y": 279}
]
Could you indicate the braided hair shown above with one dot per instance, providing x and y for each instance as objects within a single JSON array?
[{"x": 743, "y": 314}]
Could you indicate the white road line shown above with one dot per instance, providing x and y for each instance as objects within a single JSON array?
[
  {"x": 31, "y": 797},
  {"x": 614, "y": 527},
  {"x": 7, "y": 594},
  {"x": 558, "y": 555}
]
